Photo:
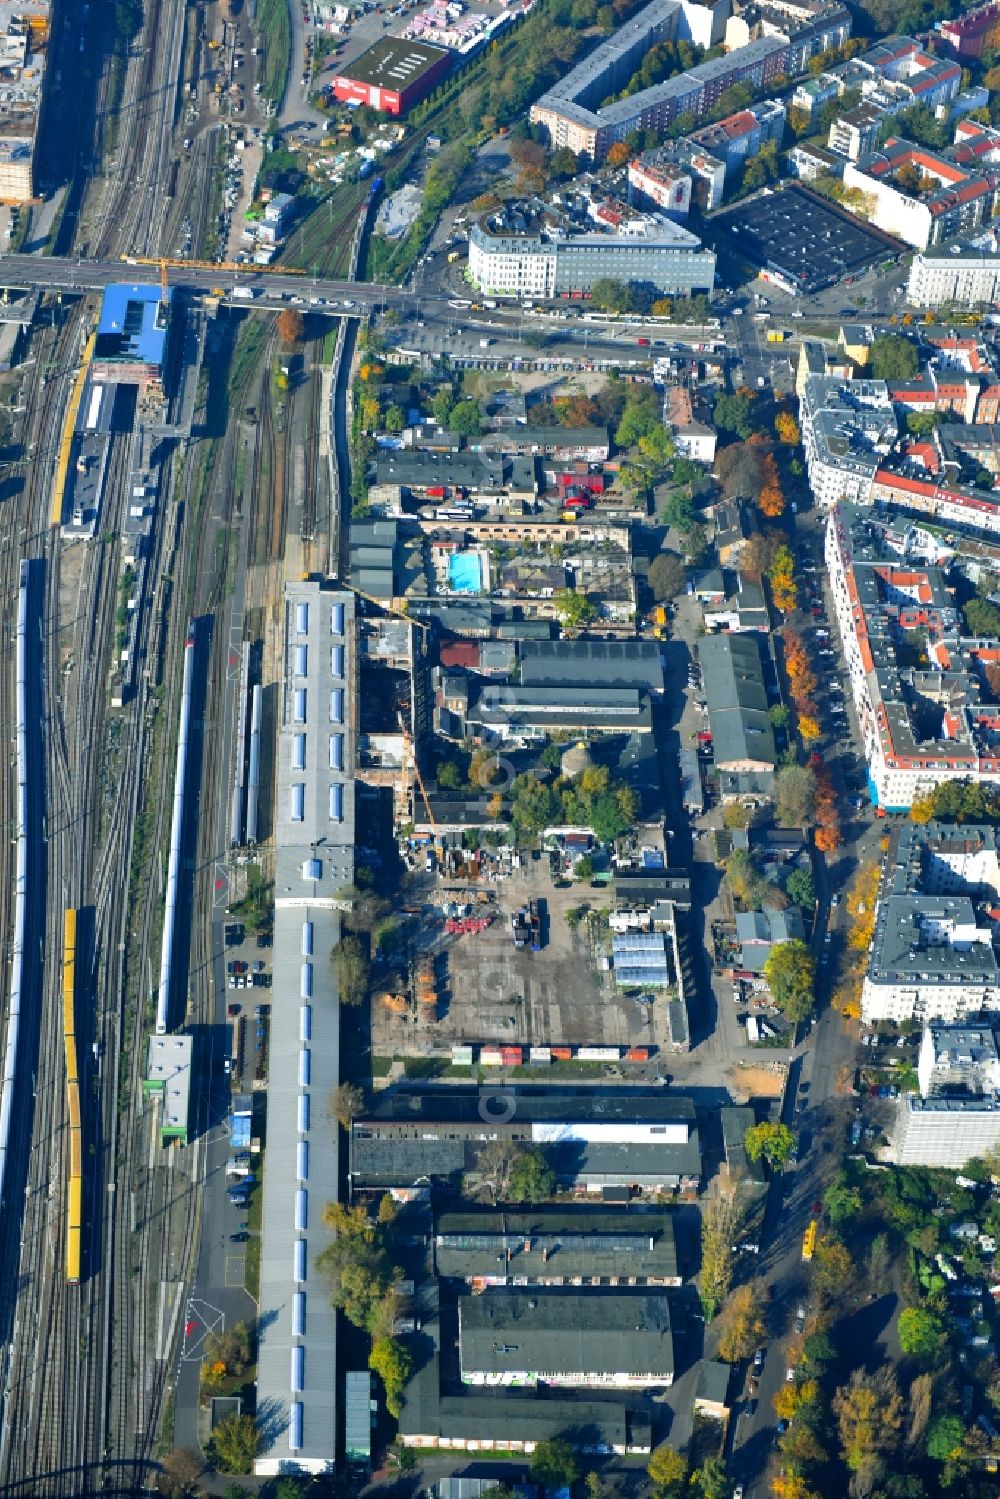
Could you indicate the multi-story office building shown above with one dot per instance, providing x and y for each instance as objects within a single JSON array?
[
  {"x": 957, "y": 1115},
  {"x": 527, "y": 251},
  {"x": 24, "y": 39}
]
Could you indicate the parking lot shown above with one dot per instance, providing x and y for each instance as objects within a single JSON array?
[
  {"x": 490, "y": 991},
  {"x": 248, "y": 1008}
]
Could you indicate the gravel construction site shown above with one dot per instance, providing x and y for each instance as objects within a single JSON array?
[{"x": 488, "y": 991}]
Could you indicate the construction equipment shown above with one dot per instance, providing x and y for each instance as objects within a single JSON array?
[{"x": 381, "y": 603}]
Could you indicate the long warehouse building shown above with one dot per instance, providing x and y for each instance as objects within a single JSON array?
[{"x": 314, "y": 859}]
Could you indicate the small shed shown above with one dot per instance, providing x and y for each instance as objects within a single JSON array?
[{"x": 713, "y": 1387}]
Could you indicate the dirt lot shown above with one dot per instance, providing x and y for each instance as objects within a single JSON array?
[{"x": 491, "y": 992}]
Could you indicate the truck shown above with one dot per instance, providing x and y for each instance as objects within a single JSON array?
[
  {"x": 776, "y": 335},
  {"x": 245, "y": 293},
  {"x": 454, "y": 255},
  {"x": 535, "y": 920},
  {"x": 520, "y": 927}
]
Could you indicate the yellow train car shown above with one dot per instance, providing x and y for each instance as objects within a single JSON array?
[{"x": 74, "y": 1175}]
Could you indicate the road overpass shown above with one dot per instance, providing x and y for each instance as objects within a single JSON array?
[{"x": 60, "y": 273}]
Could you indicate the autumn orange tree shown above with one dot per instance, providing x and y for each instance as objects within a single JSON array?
[
  {"x": 291, "y": 326},
  {"x": 782, "y": 578},
  {"x": 771, "y": 500},
  {"x": 828, "y": 834},
  {"x": 787, "y": 429}
]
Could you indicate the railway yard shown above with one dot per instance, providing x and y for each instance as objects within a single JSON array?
[{"x": 99, "y": 1229}]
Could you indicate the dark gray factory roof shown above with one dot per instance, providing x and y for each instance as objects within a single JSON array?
[
  {"x": 566, "y": 1332},
  {"x": 546, "y": 1245},
  {"x": 592, "y": 663},
  {"x": 737, "y": 700}
]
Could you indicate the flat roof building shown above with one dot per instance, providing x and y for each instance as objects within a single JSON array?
[
  {"x": 131, "y": 343},
  {"x": 314, "y": 859},
  {"x": 392, "y": 75},
  {"x": 932, "y": 955},
  {"x": 168, "y": 1077},
  {"x": 553, "y": 1247},
  {"x": 644, "y": 1142},
  {"x": 24, "y": 41},
  {"x": 565, "y": 1338}
]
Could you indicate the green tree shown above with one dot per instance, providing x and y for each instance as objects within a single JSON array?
[
  {"x": 574, "y": 610},
  {"x": 449, "y": 776},
  {"x": 982, "y": 618},
  {"x": 711, "y": 1480},
  {"x": 945, "y": 1438},
  {"x": 234, "y": 1444},
  {"x": 801, "y": 889},
  {"x": 532, "y": 1178},
  {"x": 921, "y": 1332},
  {"x": 893, "y": 357},
  {"x": 667, "y": 1469},
  {"x": 230, "y": 1346},
  {"x": 442, "y": 405},
  {"x": 466, "y": 419},
  {"x": 554, "y": 1464},
  {"x": 842, "y": 1203},
  {"x": 395, "y": 418},
  {"x": 790, "y": 974},
  {"x": 734, "y": 413},
  {"x": 583, "y": 869},
  {"x": 780, "y": 715},
  {"x": 534, "y": 805},
  {"x": 351, "y": 966},
  {"x": 610, "y": 295},
  {"x": 774, "y": 1142},
  {"x": 679, "y": 511},
  {"x": 657, "y": 447},
  {"x": 393, "y": 1363},
  {"x": 667, "y": 575},
  {"x": 721, "y": 1224},
  {"x": 609, "y": 816}
]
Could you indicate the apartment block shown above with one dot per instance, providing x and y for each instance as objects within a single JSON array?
[
  {"x": 923, "y": 196},
  {"x": 964, "y": 272},
  {"x": 849, "y": 428},
  {"x": 932, "y": 955},
  {"x": 923, "y": 716}
]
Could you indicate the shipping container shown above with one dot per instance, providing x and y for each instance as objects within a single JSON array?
[
  {"x": 511, "y": 1056},
  {"x": 561, "y": 1053},
  {"x": 637, "y": 1054},
  {"x": 490, "y": 1056},
  {"x": 598, "y": 1053}
]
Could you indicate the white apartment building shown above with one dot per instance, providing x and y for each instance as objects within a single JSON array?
[
  {"x": 848, "y": 428},
  {"x": 957, "y": 1115},
  {"x": 966, "y": 272}
]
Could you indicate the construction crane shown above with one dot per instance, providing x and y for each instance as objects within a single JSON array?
[
  {"x": 213, "y": 265},
  {"x": 389, "y": 608},
  {"x": 408, "y": 741}
]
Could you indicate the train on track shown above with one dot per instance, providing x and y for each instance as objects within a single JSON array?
[{"x": 74, "y": 1178}]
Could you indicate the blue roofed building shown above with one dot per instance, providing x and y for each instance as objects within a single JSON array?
[{"x": 131, "y": 343}]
